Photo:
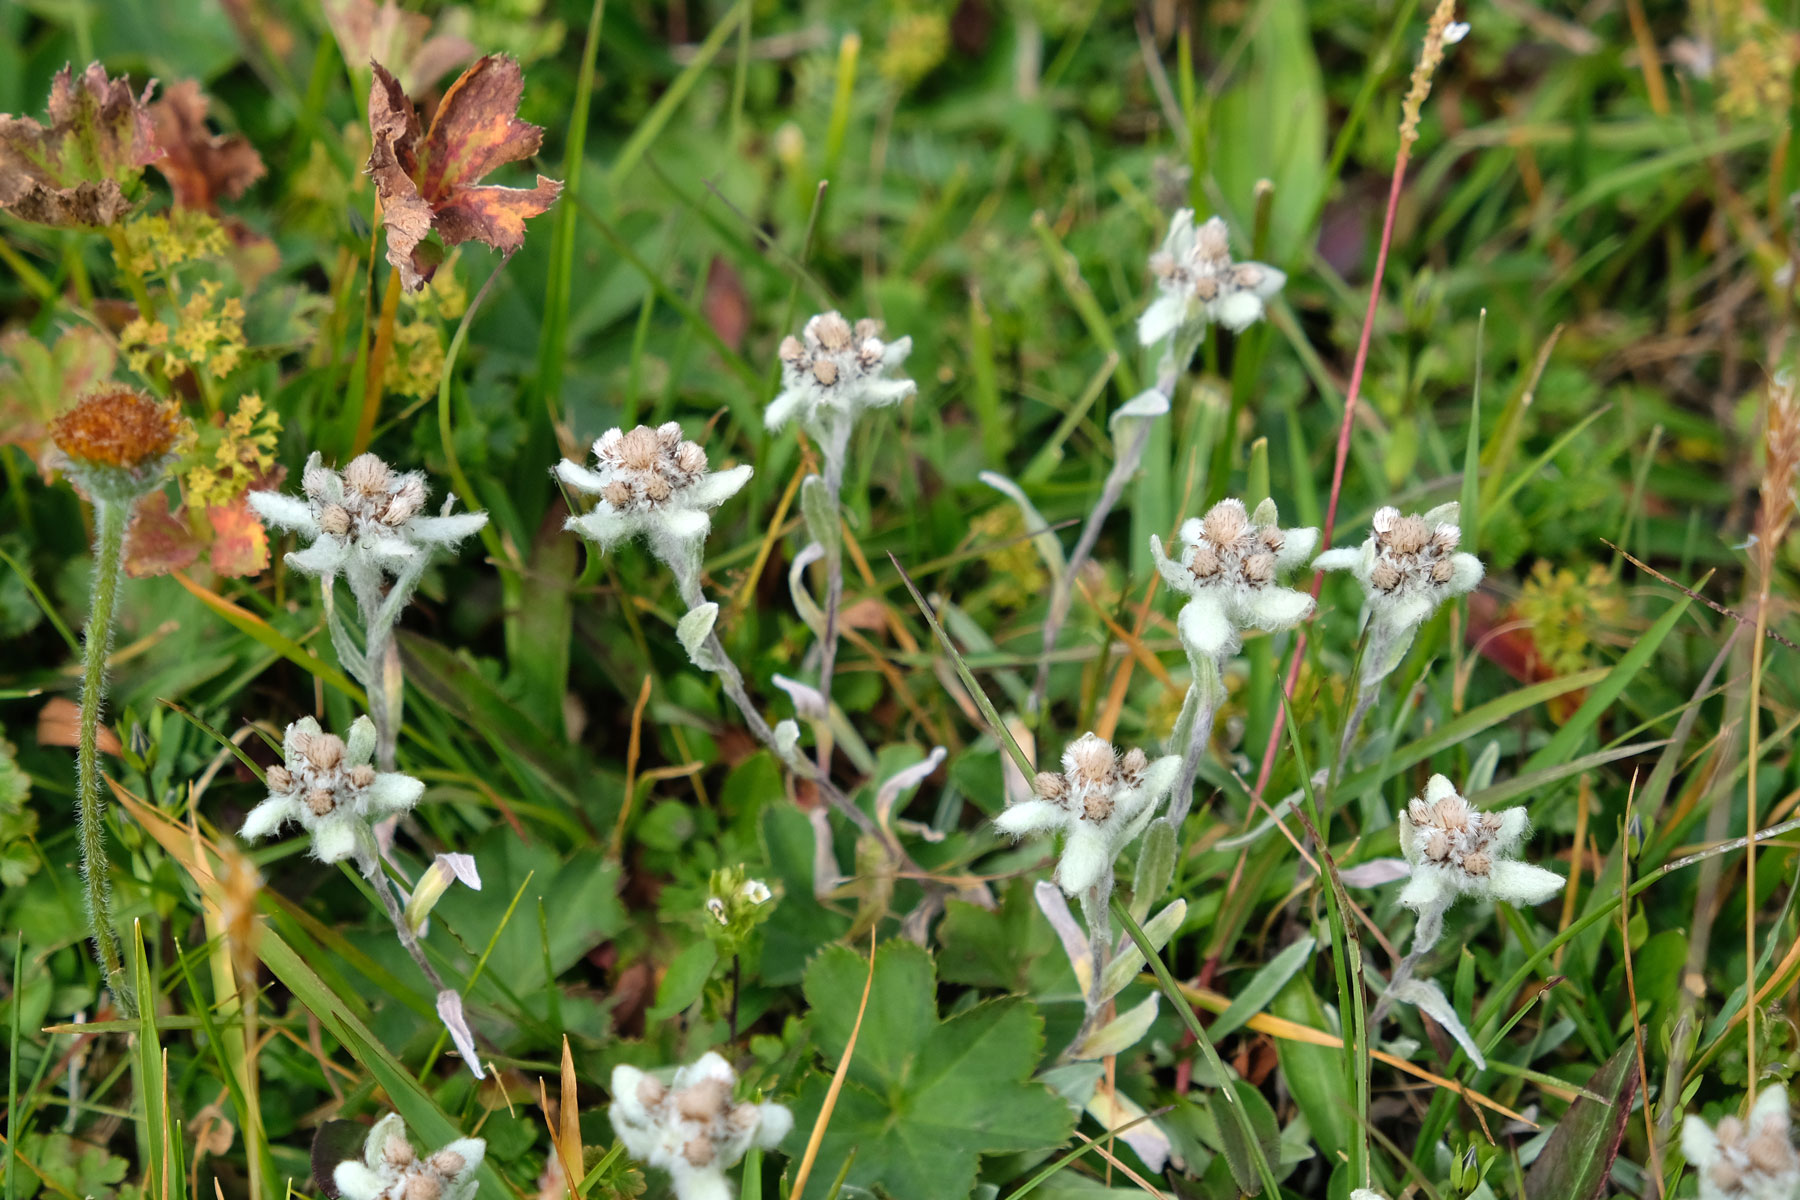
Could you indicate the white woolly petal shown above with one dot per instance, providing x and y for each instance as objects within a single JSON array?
[
  {"x": 710, "y": 1065},
  {"x": 333, "y": 841},
  {"x": 1164, "y": 316},
  {"x": 359, "y": 747},
  {"x": 1030, "y": 816},
  {"x": 1425, "y": 889},
  {"x": 606, "y": 527},
  {"x": 1142, "y": 407},
  {"x": 717, "y": 487},
  {"x": 450, "y": 1012},
  {"x": 1190, "y": 530},
  {"x": 325, "y": 557},
  {"x": 389, "y": 548},
  {"x": 1409, "y": 840},
  {"x": 1296, "y": 547},
  {"x": 1205, "y": 630},
  {"x": 896, "y": 352},
  {"x": 698, "y": 1183},
  {"x": 1449, "y": 513},
  {"x": 1085, "y": 858},
  {"x": 1173, "y": 573},
  {"x": 1699, "y": 1145},
  {"x": 626, "y": 1104},
  {"x": 580, "y": 478},
  {"x": 1515, "y": 824},
  {"x": 777, "y": 1122},
  {"x": 465, "y": 1184},
  {"x": 269, "y": 816},
  {"x": 1160, "y": 775},
  {"x": 1236, "y": 311},
  {"x": 1274, "y": 608},
  {"x": 284, "y": 512},
  {"x": 1272, "y": 281},
  {"x": 1406, "y": 613},
  {"x": 1438, "y": 787},
  {"x": 784, "y": 408},
  {"x": 357, "y": 1182},
  {"x": 1344, "y": 558},
  {"x": 392, "y": 792},
  {"x": 879, "y": 393},
  {"x": 380, "y": 1133},
  {"x": 1771, "y": 1102},
  {"x": 445, "y": 531},
  {"x": 1465, "y": 573},
  {"x": 683, "y": 524},
  {"x": 1522, "y": 884}
]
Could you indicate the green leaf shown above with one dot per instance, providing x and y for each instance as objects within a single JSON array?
[
  {"x": 1314, "y": 1074},
  {"x": 924, "y": 1098},
  {"x": 1578, "y": 1158},
  {"x": 1237, "y": 1150},
  {"x": 685, "y": 979},
  {"x": 1121, "y": 1033},
  {"x": 1155, "y": 866},
  {"x": 1128, "y": 962},
  {"x": 1263, "y": 986}
]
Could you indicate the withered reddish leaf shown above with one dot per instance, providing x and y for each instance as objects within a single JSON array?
[
  {"x": 201, "y": 166},
  {"x": 71, "y": 172},
  {"x": 389, "y": 33},
  {"x": 159, "y": 542},
  {"x": 37, "y": 381},
  {"x": 240, "y": 543},
  {"x": 726, "y": 304},
  {"x": 434, "y": 182}
]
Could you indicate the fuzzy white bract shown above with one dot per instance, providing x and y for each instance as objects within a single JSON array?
[
  {"x": 1455, "y": 850},
  {"x": 1752, "y": 1159},
  {"x": 391, "y": 1170},
  {"x": 327, "y": 784},
  {"x": 691, "y": 1127},
  {"x": 1200, "y": 285},
  {"x": 1100, "y": 802},
  {"x": 834, "y": 370},
  {"x": 1228, "y": 567},
  {"x": 650, "y": 482},
  {"x": 364, "y": 520}
]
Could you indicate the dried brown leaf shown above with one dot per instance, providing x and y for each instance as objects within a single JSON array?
[
  {"x": 201, "y": 166},
  {"x": 240, "y": 544},
  {"x": 72, "y": 171},
  {"x": 159, "y": 542},
  {"x": 390, "y": 34}
]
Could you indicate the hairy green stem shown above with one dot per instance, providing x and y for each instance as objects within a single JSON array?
[
  {"x": 110, "y": 519},
  {"x": 1198, "y": 712}
]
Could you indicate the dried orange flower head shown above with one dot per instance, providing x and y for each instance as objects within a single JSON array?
[{"x": 118, "y": 426}]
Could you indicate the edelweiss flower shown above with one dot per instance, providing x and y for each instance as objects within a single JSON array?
[
  {"x": 366, "y": 518},
  {"x": 1200, "y": 284},
  {"x": 1453, "y": 850},
  {"x": 390, "y": 1170},
  {"x": 1228, "y": 566},
  {"x": 327, "y": 784},
  {"x": 651, "y": 482},
  {"x": 691, "y": 1128},
  {"x": 1407, "y": 567},
  {"x": 836, "y": 370},
  {"x": 1101, "y": 802},
  {"x": 1745, "y": 1160}
]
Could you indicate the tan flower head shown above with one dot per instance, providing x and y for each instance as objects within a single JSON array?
[
  {"x": 1752, "y": 1159},
  {"x": 1455, "y": 849},
  {"x": 392, "y": 1170},
  {"x": 1199, "y": 284},
  {"x": 328, "y": 785},
  {"x": 836, "y": 369},
  {"x": 692, "y": 1128},
  {"x": 650, "y": 481},
  {"x": 117, "y": 442}
]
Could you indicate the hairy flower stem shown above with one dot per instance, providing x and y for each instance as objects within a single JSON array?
[
  {"x": 1062, "y": 592},
  {"x": 835, "y": 448},
  {"x": 1426, "y": 933},
  {"x": 1097, "y": 917},
  {"x": 110, "y": 520},
  {"x": 369, "y": 864},
  {"x": 1198, "y": 713},
  {"x": 1366, "y": 695}
]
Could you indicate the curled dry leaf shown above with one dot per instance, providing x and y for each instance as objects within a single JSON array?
[
  {"x": 71, "y": 172},
  {"x": 59, "y": 724},
  {"x": 200, "y": 165},
  {"x": 432, "y": 181}
]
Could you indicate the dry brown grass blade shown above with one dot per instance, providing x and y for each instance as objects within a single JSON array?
[
  {"x": 1691, "y": 594},
  {"x": 570, "y": 1115},
  {"x": 632, "y": 748},
  {"x": 1113, "y": 1161},
  {"x": 746, "y": 594},
  {"x": 571, "y": 1173},
  {"x": 817, "y": 1136}
]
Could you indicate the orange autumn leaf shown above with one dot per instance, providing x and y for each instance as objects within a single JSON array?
[
  {"x": 200, "y": 165},
  {"x": 240, "y": 544},
  {"x": 59, "y": 724},
  {"x": 432, "y": 181},
  {"x": 72, "y": 171},
  {"x": 159, "y": 541}
]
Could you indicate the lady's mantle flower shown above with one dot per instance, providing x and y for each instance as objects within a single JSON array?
[
  {"x": 1228, "y": 566},
  {"x": 1745, "y": 1160},
  {"x": 1409, "y": 564},
  {"x": 365, "y": 518},
  {"x": 651, "y": 482},
  {"x": 1200, "y": 284},
  {"x": 691, "y": 1128},
  {"x": 1454, "y": 849},
  {"x": 118, "y": 443},
  {"x": 390, "y": 1170},
  {"x": 834, "y": 369},
  {"x": 328, "y": 785},
  {"x": 1102, "y": 801}
]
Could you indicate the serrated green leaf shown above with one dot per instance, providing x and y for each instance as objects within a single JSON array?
[{"x": 924, "y": 1098}]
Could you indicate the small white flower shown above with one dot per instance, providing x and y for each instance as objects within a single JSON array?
[
  {"x": 834, "y": 370},
  {"x": 365, "y": 518},
  {"x": 391, "y": 1170},
  {"x": 328, "y": 785},
  {"x": 1455, "y": 850},
  {"x": 1228, "y": 567},
  {"x": 1201, "y": 285},
  {"x": 1745, "y": 1160},
  {"x": 754, "y": 891},
  {"x": 650, "y": 482},
  {"x": 691, "y": 1127},
  {"x": 1100, "y": 803},
  {"x": 1455, "y": 32}
]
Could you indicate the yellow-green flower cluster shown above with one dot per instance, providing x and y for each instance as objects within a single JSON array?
[
  {"x": 1567, "y": 612},
  {"x": 155, "y": 245},
  {"x": 245, "y": 450},
  {"x": 207, "y": 335}
]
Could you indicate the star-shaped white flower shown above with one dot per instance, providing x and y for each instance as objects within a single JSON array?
[
  {"x": 1745, "y": 1160},
  {"x": 1455, "y": 850},
  {"x": 1100, "y": 803},
  {"x": 366, "y": 518},
  {"x": 392, "y": 1170},
  {"x": 1409, "y": 564},
  {"x": 327, "y": 784},
  {"x": 1228, "y": 569},
  {"x": 691, "y": 1127},
  {"x": 650, "y": 482},
  {"x": 1199, "y": 284},
  {"x": 834, "y": 370}
]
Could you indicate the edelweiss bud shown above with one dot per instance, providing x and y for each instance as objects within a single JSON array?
[
  {"x": 391, "y": 1170},
  {"x": 329, "y": 787},
  {"x": 1100, "y": 802},
  {"x": 1199, "y": 284},
  {"x": 692, "y": 1128},
  {"x": 833, "y": 371},
  {"x": 650, "y": 482}
]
